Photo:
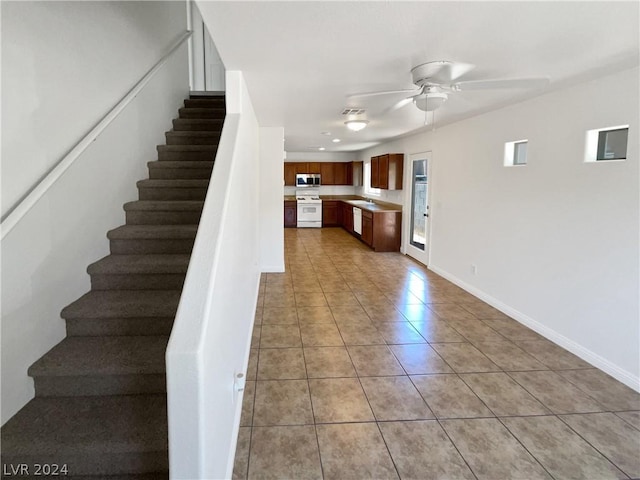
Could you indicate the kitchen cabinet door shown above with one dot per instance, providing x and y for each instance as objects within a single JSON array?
[
  {"x": 301, "y": 167},
  {"x": 357, "y": 174},
  {"x": 375, "y": 172},
  {"x": 340, "y": 173},
  {"x": 395, "y": 171},
  {"x": 367, "y": 228},
  {"x": 290, "y": 214},
  {"x": 290, "y": 174},
  {"x": 329, "y": 213},
  {"x": 314, "y": 167},
  {"x": 383, "y": 171},
  {"x": 327, "y": 173},
  {"x": 347, "y": 217}
]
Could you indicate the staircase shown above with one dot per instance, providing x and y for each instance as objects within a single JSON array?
[{"x": 100, "y": 404}]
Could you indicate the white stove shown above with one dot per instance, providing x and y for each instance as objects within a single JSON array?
[{"x": 309, "y": 208}]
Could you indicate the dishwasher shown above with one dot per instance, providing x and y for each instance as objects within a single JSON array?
[{"x": 357, "y": 220}]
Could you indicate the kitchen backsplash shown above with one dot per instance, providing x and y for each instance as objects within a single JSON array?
[{"x": 326, "y": 190}]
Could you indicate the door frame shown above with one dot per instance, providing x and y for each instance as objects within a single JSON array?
[{"x": 423, "y": 257}]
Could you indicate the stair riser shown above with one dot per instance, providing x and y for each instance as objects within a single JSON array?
[
  {"x": 163, "y": 218},
  {"x": 141, "y": 246},
  {"x": 88, "y": 463},
  {"x": 180, "y": 173},
  {"x": 209, "y": 113},
  {"x": 186, "y": 156},
  {"x": 114, "y": 327},
  {"x": 168, "y": 281},
  {"x": 212, "y": 139},
  {"x": 204, "y": 103},
  {"x": 159, "y": 193},
  {"x": 197, "y": 125},
  {"x": 95, "y": 385}
]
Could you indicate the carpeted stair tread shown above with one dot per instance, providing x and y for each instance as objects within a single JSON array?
[
  {"x": 181, "y": 164},
  {"x": 204, "y": 102},
  {"x": 173, "y": 183},
  {"x": 197, "y": 124},
  {"x": 204, "y": 113},
  {"x": 164, "y": 205},
  {"x": 140, "y": 264},
  {"x": 83, "y": 356},
  {"x": 120, "y": 434},
  {"x": 124, "y": 304},
  {"x": 194, "y": 133},
  {"x": 153, "y": 232},
  {"x": 187, "y": 148}
]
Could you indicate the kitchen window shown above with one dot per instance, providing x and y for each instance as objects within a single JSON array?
[
  {"x": 607, "y": 144},
  {"x": 515, "y": 153},
  {"x": 367, "y": 181}
]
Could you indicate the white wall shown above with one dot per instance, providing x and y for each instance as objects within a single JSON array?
[
  {"x": 555, "y": 242},
  {"x": 50, "y": 99},
  {"x": 271, "y": 192},
  {"x": 211, "y": 336}
]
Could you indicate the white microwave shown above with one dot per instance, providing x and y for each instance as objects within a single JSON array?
[{"x": 307, "y": 180}]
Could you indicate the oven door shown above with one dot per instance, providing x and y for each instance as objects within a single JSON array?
[{"x": 309, "y": 214}]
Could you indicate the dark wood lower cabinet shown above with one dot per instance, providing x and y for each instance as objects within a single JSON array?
[
  {"x": 367, "y": 228},
  {"x": 347, "y": 217},
  {"x": 290, "y": 213},
  {"x": 330, "y": 213}
]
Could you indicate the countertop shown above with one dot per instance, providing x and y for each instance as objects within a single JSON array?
[{"x": 356, "y": 201}]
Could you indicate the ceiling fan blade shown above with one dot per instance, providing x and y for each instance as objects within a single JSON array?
[
  {"x": 384, "y": 92},
  {"x": 503, "y": 83},
  {"x": 397, "y": 106},
  {"x": 451, "y": 71}
]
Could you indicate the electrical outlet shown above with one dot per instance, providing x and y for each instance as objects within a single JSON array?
[{"x": 474, "y": 269}]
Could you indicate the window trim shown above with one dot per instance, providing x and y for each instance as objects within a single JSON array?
[
  {"x": 592, "y": 141},
  {"x": 510, "y": 153}
]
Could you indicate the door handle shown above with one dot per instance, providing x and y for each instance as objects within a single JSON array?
[{"x": 426, "y": 214}]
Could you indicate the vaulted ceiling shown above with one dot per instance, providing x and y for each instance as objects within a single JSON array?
[{"x": 302, "y": 59}]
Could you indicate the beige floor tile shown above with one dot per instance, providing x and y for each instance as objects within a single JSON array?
[
  {"x": 306, "y": 286},
  {"x": 315, "y": 315},
  {"x": 403, "y": 298},
  {"x": 451, "y": 311},
  {"x": 464, "y": 357},
  {"x": 632, "y": 418},
  {"x": 509, "y": 356},
  {"x": 282, "y": 402},
  {"x": 476, "y": 331},
  {"x": 449, "y": 397},
  {"x": 503, "y": 395},
  {"x": 349, "y": 314},
  {"x": 339, "y": 400},
  {"x": 562, "y": 452},
  {"x": 418, "y": 313},
  {"x": 395, "y": 398},
  {"x": 327, "y": 362},
  {"x": 311, "y": 299},
  {"x": 484, "y": 311},
  {"x": 279, "y": 336},
  {"x": 556, "y": 393},
  {"x": 358, "y": 334},
  {"x": 384, "y": 313},
  {"x": 514, "y": 331},
  {"x": 284, "y": 452},
  {"x": 252, "y": 367},
  {"x": 374, "y": 360},
  {"x": 258, "y": 317},
  {"x": 279, "y": 316},
  {"x": 354, "y": 451},
  {"x": 612, "y": 436},
  {"x": 553, "y": 356},
  {"x": 320, "y": 335},
  {"x": 491, "y": 451},
  {"x": 420, "y": 359},
  {"x": 408, "y": 442},
  {"x": 278, "y": 289},
  {"x": 248, "y": 397},
  {"x": 341, "y": 298},
  {"x": 241, "y": 463},
  {"x": 255, "y": 336},
  {"x": 399, "y": 333},
  {"x": 608, "y": 391},
  {"x": 438, "y": 331},
  {"x": 281, "y": 364},
  {"x": 279, "y": 300},
  {"x": 372, "y": 296},
  {"x": 335, "y": 285}
]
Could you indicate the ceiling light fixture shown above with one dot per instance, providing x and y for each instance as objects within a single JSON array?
[
  {"x": 430, "y": 101},
  {"x": 336, "y": 140},
  {"x": 321, "y": 149},
  {"x": 356, "y": 125}
]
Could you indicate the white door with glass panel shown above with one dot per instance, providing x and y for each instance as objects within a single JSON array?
[{"x": 418, "y": 238}]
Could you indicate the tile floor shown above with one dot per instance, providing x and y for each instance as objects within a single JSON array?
[{"x": 367, "y": 366}]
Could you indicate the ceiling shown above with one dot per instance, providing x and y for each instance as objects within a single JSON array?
[{"x": 301, "y": 59}]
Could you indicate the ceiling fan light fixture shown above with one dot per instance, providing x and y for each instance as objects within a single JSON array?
[
  {"x": 356, "y": 125},
  {"x": 428, "y": 102}
]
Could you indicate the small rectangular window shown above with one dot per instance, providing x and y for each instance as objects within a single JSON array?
[
  {"x": 515, "y": 153},
  {"x": 612, "y": 144},
  {"x": 606, "y": 144},
  {"x": 520, "y": 153}
]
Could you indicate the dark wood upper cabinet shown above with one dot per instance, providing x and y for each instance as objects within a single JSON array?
[
  {"x": 290, "y": 174},
  {"x": 327, "y": 173},
  {"x": 340, "y": 173},
  {"x": 313, "y": 167},
  {"x": 302, "y": 167},
  {"x": 386, "y": 171},
  {"x": 357, "y": 174}
]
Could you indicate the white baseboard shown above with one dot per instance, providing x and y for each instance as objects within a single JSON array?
[
  {"x": 272, "y": 268},
  {"x": 585, "y": 354}
]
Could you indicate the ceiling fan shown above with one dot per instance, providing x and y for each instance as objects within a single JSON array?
[{"x": 435, "y": 81}]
